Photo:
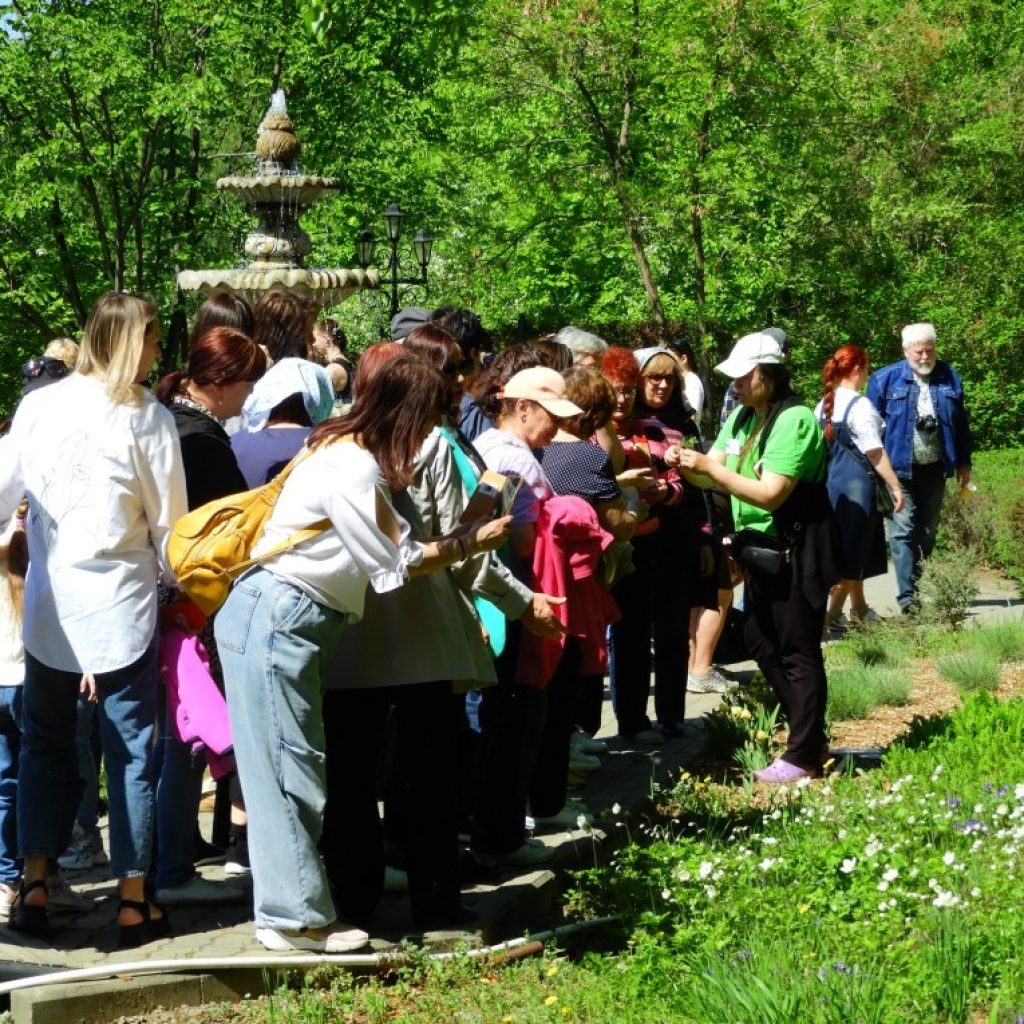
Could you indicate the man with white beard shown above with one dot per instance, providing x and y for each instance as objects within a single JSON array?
[{"x": 928, "y": 439}]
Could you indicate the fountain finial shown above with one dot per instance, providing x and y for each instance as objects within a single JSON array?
[{"x": 277, "y": 148}]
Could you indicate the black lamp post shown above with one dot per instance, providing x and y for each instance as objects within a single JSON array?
[{"x": 422, "y": 245}]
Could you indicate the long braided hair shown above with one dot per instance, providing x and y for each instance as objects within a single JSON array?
[{"x": 846, "y": 361}]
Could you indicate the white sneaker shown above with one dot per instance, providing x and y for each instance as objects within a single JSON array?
[
  {"x": 580, "y": 762},
  {"x": 588, "y": 744},
  {"x": 8, "y": 894},
  {"x": 531, "y": 853},
  {"x": 712, "y": 682},
  {"x": 62, "y": 896},
  {"x": 869, "y": 616},
  {"x": 199, "y": 890},
  {"x": 569, "y": 817},
  {"x": 336, "y": 938},
  {"x": 86, "y": 850}
]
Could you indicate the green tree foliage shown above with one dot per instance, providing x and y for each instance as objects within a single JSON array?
[{"x": 693, "y": 167}]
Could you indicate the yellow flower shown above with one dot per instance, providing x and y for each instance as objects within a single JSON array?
[
  {"x": 804, "y": 907},
  {"x": 552, "y": 971},
  {"x": 566, "y": 1011},
  {"x": 551, "y": 1000},
  {"x": 507, "y": 1020},
  {"x": 760, "y": 735}
]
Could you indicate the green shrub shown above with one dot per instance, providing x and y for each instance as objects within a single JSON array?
[
  {"x": 992, "y": 520},
  {"x": 970, "y": 670},
  {"x": 949, "y": 586}
]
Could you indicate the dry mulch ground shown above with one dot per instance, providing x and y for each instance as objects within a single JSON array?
[{"x": 930, "y": 697}]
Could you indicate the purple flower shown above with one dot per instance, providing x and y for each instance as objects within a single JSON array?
[
  {"x": 1001, "y": 791},
  {"x": 842, "y": 968},
  {"x": 968, "y": 826},
  {"x": 988, "y": 787},
  {"x": 953, "y": 802}
]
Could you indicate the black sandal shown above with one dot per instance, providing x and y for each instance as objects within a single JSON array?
[
  {"x": 24, "y": 918},
  {"x": 147, "y": 930}
]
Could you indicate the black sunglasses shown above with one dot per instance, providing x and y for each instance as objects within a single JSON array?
[{"x": 34, "y": 368}]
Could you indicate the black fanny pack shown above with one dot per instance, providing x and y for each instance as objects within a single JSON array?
[{"x": 759, "y": 552}]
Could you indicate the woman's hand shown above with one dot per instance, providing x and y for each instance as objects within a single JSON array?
[
  {"x": 540, "y": 619},
  {"x": 640, "y": 478},
  {"x": 898, "y": 501},
  {"x": 485, "y": 534},
  {"x": 87, "y": 688},
  {"x": 692, "y": 460}
]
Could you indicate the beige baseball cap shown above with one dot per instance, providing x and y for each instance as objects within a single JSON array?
[{"x": 543, "y": 386}]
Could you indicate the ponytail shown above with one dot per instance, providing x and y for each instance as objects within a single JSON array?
[{"x": 847, "y": 360}]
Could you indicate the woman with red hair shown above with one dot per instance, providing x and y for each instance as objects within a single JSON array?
[
  {"x": 645, "y": 596},
  {"x": 853, "y": 430}
]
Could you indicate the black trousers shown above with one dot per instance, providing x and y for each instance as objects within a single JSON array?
[
  {"x": 551, "y": 772},
  {"x": 783, "y": 634},
  {"x": 421, "y": 797},
  {"x": 655, "y": 606},
  {"x": 512, "y": 721}
]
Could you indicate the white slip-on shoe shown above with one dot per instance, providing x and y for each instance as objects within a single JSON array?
[{"x": 335, "y": 938}]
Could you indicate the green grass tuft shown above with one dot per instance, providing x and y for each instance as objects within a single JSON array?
[
  {"x": 855, "y": 690},
  {"x": 970, "y": 670}
]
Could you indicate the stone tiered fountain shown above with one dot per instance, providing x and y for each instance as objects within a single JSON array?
[{"x": 279, "y": 194}]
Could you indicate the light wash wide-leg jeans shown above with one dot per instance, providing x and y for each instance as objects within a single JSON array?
[{"x": 273, "y": 640}]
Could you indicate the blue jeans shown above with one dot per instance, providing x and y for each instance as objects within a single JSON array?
[
  {"x": 178, "y": 793},
  {"x": 50, "y": 788},
  {"x": 10, "y": 745},
  {"x": 912, "y": 531},
  {"x": 273, "y": 642}
]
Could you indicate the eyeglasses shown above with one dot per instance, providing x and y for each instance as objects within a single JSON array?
[
  {"x": 456, "y": 370},
  {"x": 628, "y": 392},
  {"x": 35, "y": 368},
  {"x": 659, "y": 378}
]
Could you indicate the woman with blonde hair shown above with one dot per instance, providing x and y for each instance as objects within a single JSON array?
[{"x": 98, "y": 458}]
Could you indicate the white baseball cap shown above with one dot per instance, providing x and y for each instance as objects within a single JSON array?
[
  {"x": 750, "y": 351},
  {"x": 544, "y": 386}
]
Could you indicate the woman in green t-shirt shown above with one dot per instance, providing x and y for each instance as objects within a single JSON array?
[{"x": 770, "y": 457}]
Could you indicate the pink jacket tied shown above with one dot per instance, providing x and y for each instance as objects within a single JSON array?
[
  {"x": 195, "y": 704},
  {"x": 570, "y": 541}
]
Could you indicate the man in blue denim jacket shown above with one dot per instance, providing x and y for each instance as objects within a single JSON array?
[{"x": 927, "y": 439}]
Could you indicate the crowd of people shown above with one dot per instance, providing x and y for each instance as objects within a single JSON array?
[{"x": 464, "y": 545}]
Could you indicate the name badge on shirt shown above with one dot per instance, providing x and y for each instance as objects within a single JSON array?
[{"x": 732, "y": 446}]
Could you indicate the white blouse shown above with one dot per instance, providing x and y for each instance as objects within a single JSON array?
[
  {"x": 340, "y": 482},
  {"x": 105, "y": 484},
  {"x": 864, "y": 421}
]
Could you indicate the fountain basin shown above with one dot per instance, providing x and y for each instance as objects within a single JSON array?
[{"x": 328, "y": 287}]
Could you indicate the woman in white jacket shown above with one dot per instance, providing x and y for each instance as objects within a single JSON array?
[{"x": 98, "y": 458}]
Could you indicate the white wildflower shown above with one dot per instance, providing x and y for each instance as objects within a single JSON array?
[
  {"x": 883, "y": 886},
  {"x": 891, "y": 875},
  {"x": 711, "y": 891},
  {"x": 706, "y": 867},
  {"x": 767, "y": 864},
  {"x": 945, "y": 899},
  {"x": 1002, "y": 810},
  {"x": 948, "y": 858},
  {"x": 848, "y": 866},
  {"x": 616, "y": 809}
]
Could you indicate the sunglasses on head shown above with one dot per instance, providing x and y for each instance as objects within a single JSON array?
[{"x": 35, "y": 368}]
